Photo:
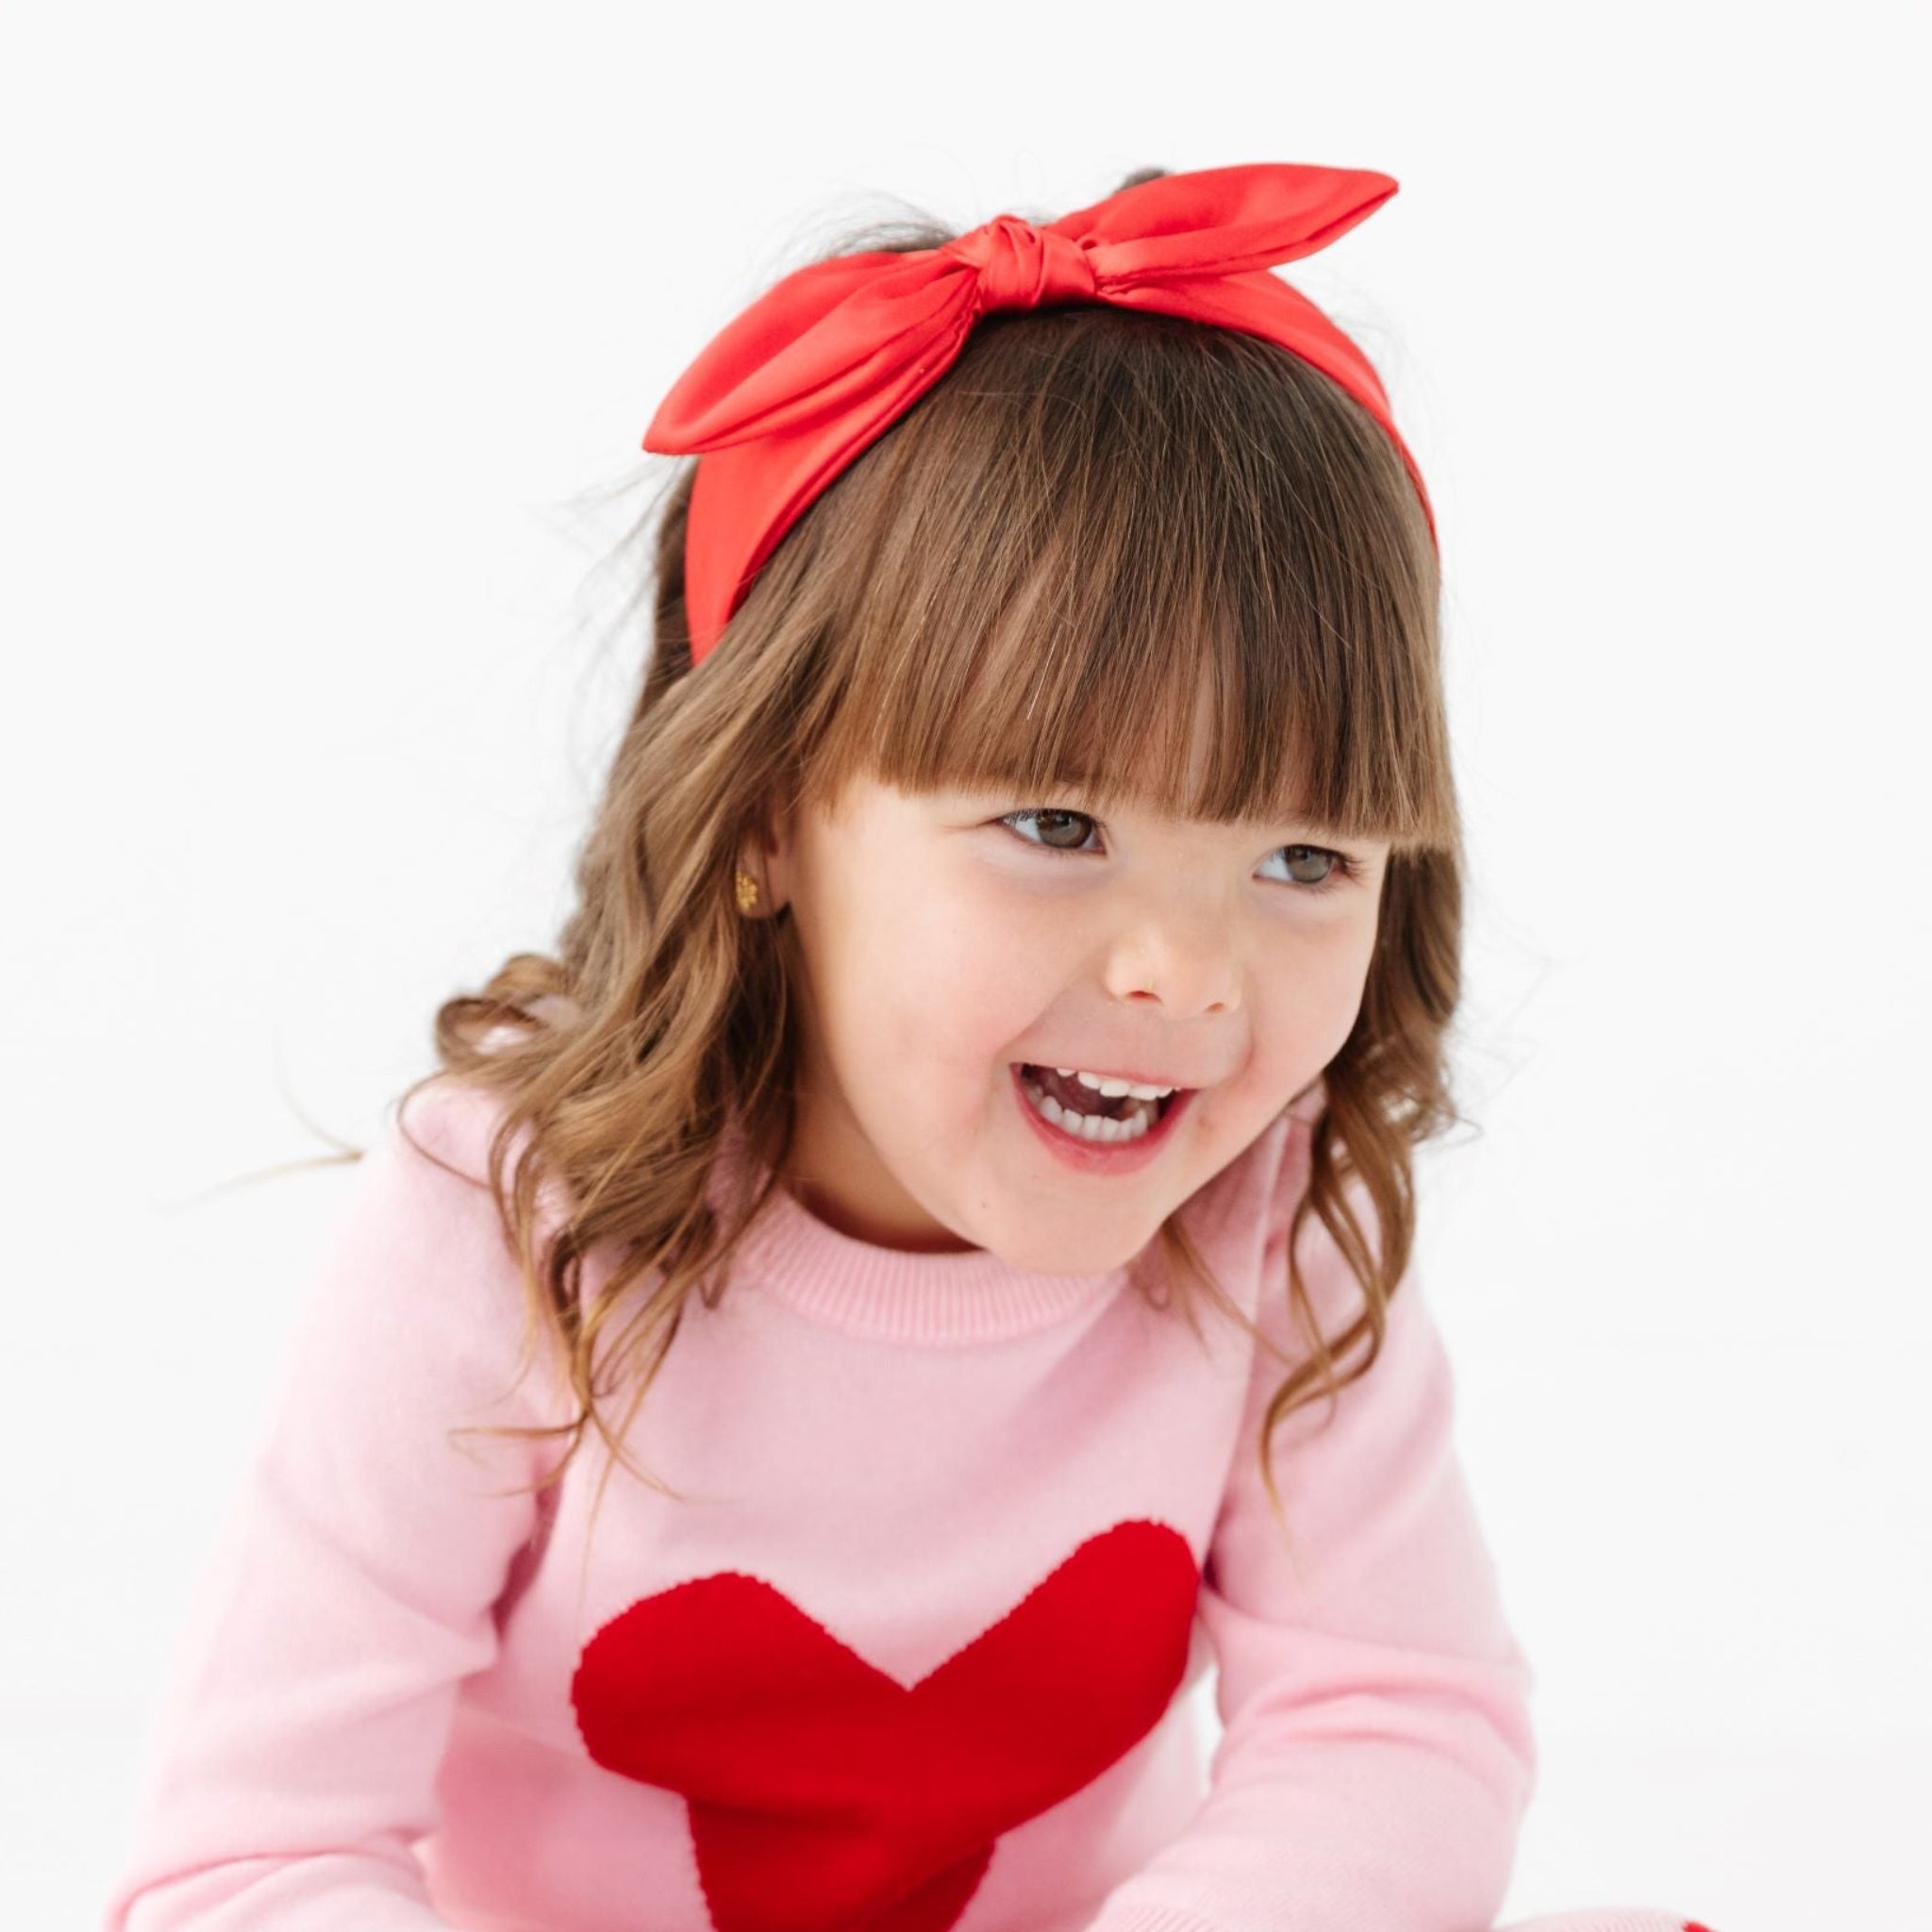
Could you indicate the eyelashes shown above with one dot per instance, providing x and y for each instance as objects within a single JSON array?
[{"x": 1341, "y": 868}]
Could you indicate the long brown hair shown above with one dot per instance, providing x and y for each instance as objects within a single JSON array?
[{"x": 1095, "y": 522}]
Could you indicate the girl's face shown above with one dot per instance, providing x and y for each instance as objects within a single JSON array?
[{"x": 956, "y": 949}]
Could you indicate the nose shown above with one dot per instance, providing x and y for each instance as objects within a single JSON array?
[{"x": 1181, "y": 955}]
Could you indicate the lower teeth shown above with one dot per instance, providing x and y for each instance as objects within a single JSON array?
[{"x": 1091, "y": 1126}]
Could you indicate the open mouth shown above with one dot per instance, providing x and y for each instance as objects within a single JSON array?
[{"x": 1078, "y": 1108}]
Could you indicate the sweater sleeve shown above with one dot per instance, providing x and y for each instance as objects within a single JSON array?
[
  {"x": 293, "y": 1756},
  {"x": 1377, "y": 1755}
]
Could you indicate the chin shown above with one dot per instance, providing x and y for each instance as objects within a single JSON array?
[{"x": 1060, "y": 1254}]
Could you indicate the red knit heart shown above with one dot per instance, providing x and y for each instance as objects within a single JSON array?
[{"x": 824, "y": 1795}]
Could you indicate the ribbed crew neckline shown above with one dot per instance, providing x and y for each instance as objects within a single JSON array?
[
  {"x": 944, "y": 1299},
  {"x": 892, "y": 1294}
]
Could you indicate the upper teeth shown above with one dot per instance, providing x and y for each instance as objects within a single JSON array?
[{"x": 1113, "y": 1088}]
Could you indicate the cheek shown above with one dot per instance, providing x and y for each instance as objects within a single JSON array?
[
  {"x": 1313, "y": 1001},
  {"x": 906, "y": 977},
  {"x": 1339, "y": 1010},
  {"x": 963, "y": 979},
  {"x": 991, "y": 975}
]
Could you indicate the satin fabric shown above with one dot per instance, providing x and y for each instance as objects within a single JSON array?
[{"x": 803, "y": 380}]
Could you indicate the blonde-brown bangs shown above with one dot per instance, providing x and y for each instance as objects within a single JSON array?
[{"x": 1147, "y": 559}]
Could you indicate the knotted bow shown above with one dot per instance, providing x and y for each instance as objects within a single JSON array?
[{"x": 788, "y": 393}]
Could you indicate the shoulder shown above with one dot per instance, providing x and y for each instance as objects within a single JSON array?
[
  {"x": 428, "y": 1169},
  {"x": 451, "y": 1115},
  {"x": 455, "y": 1121},
  {"x": 421, "y": 1187},
  {"x": 438, "y": 1145},
  {"x": 414, "y": 1300},
  {"x": 447, "y": 1121}
]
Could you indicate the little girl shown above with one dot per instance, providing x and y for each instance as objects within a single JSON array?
[{"x": 973, "y": 1101}]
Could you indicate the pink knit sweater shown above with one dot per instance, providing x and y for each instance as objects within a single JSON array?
[{"x": 910, "y": 1654}]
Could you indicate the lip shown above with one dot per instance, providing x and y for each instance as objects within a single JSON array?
[{"x": 1101, "y": 1157}]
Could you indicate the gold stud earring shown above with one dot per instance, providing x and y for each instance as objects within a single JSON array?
[{"x": 747, "y": 890}]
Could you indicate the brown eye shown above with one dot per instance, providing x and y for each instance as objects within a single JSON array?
[
  {"x": 1314, "y": 868},
  {"x": 1060, "y": 831}
]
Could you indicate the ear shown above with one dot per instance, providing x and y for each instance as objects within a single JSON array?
[{"x": 766, "y": 854}]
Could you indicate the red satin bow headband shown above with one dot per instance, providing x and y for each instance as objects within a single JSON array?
[{"x": 787, "y": 394}]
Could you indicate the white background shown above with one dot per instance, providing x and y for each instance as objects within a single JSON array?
[{"x": 327, "y": 325}]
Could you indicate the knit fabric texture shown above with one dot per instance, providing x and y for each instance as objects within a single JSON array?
[{"x": 909, "y": 1650}]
